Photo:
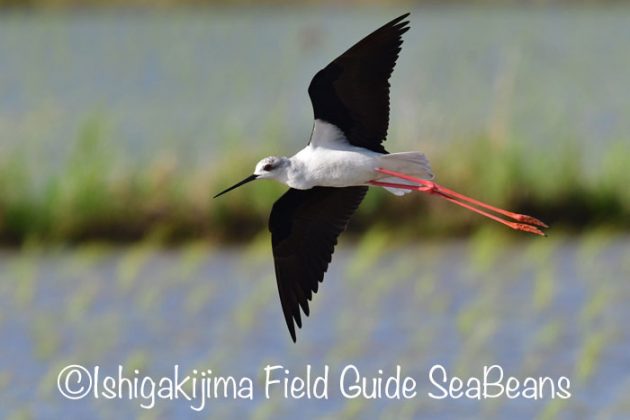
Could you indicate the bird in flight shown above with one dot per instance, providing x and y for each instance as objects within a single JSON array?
[{"x": 330, "y": 176}]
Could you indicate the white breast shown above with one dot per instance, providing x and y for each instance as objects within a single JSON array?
[{"x": 322, "y": 166}]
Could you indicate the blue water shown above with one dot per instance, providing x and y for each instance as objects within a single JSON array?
[
  {"x": 194, "y": 83},
  {"x": 548, "y": 308}
]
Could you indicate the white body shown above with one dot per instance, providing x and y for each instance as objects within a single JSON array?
[
  {"x": 321, "y": 166},
  {"x": 330, "y": 161}
]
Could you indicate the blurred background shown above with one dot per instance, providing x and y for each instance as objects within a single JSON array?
[{"x": 119, "y": 120}]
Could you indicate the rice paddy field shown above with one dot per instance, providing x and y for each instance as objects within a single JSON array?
[{"x": 116, "y": 128}]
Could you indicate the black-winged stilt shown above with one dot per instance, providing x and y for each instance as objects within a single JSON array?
[{"x": 330, "y": 176}]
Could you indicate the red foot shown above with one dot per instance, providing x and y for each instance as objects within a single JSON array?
[{"x": 431, "y": 187}]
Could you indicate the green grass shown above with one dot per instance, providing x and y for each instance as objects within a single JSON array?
[
  {"x": 98, "y": 195},
  {"x": 162, "y": 4}
]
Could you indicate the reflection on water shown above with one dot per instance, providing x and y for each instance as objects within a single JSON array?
[{"x": 549, "y": 307}]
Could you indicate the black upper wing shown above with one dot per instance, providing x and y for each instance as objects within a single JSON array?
[
  {"x": 304, "y": 227},
  {"x": 352, "y": 92}
]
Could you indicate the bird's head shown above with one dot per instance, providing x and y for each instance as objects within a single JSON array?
[{"x": 271, "y": 167}]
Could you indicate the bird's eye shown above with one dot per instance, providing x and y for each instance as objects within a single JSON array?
[{"x": 268, "y": 167}]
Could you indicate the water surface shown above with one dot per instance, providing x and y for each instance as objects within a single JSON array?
[
  {"x": 553, "y": 307},
  {"x": 197, "y": 83}
]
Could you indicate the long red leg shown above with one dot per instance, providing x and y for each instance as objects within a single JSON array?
[
  {"x": 452, "y": 196},
  {"x": 518, "y": 217}
]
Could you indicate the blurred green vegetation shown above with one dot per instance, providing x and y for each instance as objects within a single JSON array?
[
  {"x": 97, "y": 195},
  {"x": 153, "y": 4}
]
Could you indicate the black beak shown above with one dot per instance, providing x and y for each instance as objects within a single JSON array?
[{"x": 245, "y": 181}]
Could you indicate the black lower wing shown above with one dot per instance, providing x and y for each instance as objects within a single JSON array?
[{"x": 304, "y": 227}]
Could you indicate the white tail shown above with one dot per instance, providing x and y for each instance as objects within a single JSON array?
[{"x": 410, "y": 163}]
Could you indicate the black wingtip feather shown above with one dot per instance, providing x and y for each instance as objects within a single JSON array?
[
  {"x": 297, "y": 317},
  {"x": 291, "y": 328}
]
